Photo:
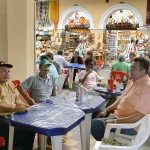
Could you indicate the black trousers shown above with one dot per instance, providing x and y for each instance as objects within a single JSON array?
[
  {"x": 22, "y": 138},
  {"x": 74, "y": 75}
]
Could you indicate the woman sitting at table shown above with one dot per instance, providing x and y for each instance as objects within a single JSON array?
[
  {"x": 89, "y": 77},
  {"x": 76, "y": 59}
]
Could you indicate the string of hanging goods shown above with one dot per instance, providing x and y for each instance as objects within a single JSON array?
[{"x": 54, "y": 11}]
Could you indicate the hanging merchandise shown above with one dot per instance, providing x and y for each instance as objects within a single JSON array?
[
  {"x": 54, "y": 11},
  {"x": 148, "y": 12},
  {"x": 43, "y": 11},
  {"x": 37, "y": 10},
  {"x": 84, "y": 45},
  {"x": 122, "y": 20},
  {"x": 78, "y": 23},
  {"x": 44, "y": 27}
]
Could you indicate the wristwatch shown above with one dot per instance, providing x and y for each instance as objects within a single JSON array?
[{"x": 114, "y": 121}]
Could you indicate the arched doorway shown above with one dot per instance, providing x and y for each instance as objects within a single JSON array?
[
  {"x": 75, "y": 24},
  {"x": 120, "y": 36},
  {"x": 111, "y": 10},
  {"x": 68, "y": 12}
]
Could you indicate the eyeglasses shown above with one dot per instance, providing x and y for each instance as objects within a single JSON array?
[{"x": 134, "y": 68}]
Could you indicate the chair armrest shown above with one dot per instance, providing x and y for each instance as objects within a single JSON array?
[{"x": 120, "y": 126}]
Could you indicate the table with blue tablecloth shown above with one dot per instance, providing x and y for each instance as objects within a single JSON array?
[
  {"x": 57, "y": 116},
  {"x": 104, "y": 90},
  {"x": 88, "y": 107},
  {"x": 48, "y": 120}
]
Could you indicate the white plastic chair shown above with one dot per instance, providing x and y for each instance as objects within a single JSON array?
[
  {"x": 141, "y": 137},
  {"x": 61, "y": 80}
]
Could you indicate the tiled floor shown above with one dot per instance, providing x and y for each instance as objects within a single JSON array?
[{"x": 72, "y": 141}]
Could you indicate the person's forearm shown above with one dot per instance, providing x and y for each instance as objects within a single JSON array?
[
  {"x": 6, "y": 109},
  {"x": 130, "y": 119},
  {"x": 22, "y": 92},
  {"x": 19, "y": 102},
  {"x": 112, "y": 107},
  {"x": 25, "y": 95},
  {"x": 66, "y": 63}
]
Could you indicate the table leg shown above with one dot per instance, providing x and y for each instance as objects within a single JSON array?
[
  {"x": 57, "y": 142},
  {"x": 79, "y": 70},
  {"x": 11, "y": 137},
  {"x": 42, "y": 142},
  {"x": 88, "y": 130},
  {"x": 71, "y": 72},
  {"x": 82, "y": 133}
]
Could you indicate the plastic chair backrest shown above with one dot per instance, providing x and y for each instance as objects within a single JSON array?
[
  {"x": 143, "y": 132},
  {"x": 16, "y": 82},
  {"x": 119, "y": 75},
  {"x": 100, "y": 64},
  {"x": 142, "y": 135},
  {"x": 61, "y": 80}
]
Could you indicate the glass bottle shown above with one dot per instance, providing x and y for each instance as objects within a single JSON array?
[{"x": 79, "y": 93}]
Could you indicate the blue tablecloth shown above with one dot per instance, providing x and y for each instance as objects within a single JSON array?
[
  {"x": 84, "y": 105},
  {"x": 48, "y": 119},
  {"x": 105, "y": 91},
  {"x": 78, "y": 66}
]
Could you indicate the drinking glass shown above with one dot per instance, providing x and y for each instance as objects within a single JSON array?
[
  {"x": 89, "y": 100},
  {"x": 119, "y": 86}
]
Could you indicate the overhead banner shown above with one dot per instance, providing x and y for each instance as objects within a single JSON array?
[{"x": 148, "y": 12}]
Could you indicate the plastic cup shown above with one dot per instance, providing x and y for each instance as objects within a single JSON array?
[{"x": 89, "y": 100}]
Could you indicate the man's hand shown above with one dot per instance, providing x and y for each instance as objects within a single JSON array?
[
  {"x": 31, "y": 101},
  {"x": 20, "y": 109},
  {"x": 21, "y": 103},
  {"x": 101, "y": 114},
  {"x": 107, "y": 122}
]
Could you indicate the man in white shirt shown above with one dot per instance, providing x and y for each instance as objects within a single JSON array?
[
  {"x": 61, "y": 59},
  {"x": 130, "y": 60}
]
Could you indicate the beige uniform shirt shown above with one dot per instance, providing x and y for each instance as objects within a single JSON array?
[{"x": 8, "y": 95}]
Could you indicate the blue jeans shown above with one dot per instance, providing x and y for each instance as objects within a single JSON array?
[{"x": 98, "y": 129}]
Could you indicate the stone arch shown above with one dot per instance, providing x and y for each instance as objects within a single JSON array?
[
  {"x": 66, "y": 14},
  {"x": 111, "y": 10}
]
